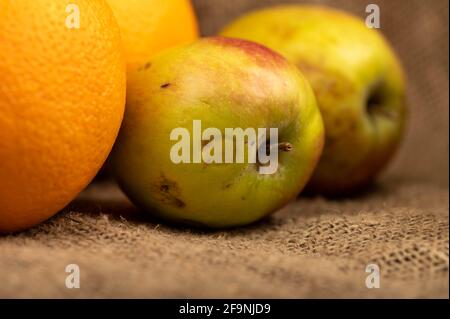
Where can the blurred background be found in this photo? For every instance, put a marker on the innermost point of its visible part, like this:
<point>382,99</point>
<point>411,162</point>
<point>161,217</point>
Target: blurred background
<point>418,30</point>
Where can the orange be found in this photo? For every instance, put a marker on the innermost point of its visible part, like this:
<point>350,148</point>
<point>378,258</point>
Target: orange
<point>149,26</point>
<point>62,93</point>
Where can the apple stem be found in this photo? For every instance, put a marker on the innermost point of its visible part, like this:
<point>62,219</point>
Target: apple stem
<point>283,146</point>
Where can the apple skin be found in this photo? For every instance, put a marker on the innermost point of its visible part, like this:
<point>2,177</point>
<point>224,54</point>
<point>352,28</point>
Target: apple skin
<point>358,82</point>
<point>225,83</point>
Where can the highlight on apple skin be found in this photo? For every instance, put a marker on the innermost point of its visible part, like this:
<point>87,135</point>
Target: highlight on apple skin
<point>356,77</point>
<point>224,83</point>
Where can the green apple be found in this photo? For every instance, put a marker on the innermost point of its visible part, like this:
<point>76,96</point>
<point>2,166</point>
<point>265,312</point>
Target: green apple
<point>357,80</point>
<point>216,84</point>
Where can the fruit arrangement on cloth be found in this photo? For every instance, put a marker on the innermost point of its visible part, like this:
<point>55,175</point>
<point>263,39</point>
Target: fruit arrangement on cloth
<point>216,132</point>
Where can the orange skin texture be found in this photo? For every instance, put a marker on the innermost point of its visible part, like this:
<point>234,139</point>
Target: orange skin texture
<point>150,26</point>
<point>62,95</point>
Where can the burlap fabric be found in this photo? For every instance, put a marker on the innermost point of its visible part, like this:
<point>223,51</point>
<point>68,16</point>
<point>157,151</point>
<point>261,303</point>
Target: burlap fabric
<point>314,247</point>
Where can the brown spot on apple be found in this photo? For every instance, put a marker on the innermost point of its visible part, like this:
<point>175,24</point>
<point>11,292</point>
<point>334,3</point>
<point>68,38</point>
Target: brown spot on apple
<point>146,66</point>
<point>168,192</point>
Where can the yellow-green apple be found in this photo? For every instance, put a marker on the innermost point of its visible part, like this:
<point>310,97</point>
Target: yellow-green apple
<point>172,157</point>
<point>357,80</point>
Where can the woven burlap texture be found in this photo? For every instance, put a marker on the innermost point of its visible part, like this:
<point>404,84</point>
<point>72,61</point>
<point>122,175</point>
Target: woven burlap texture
<point>314,247</point>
